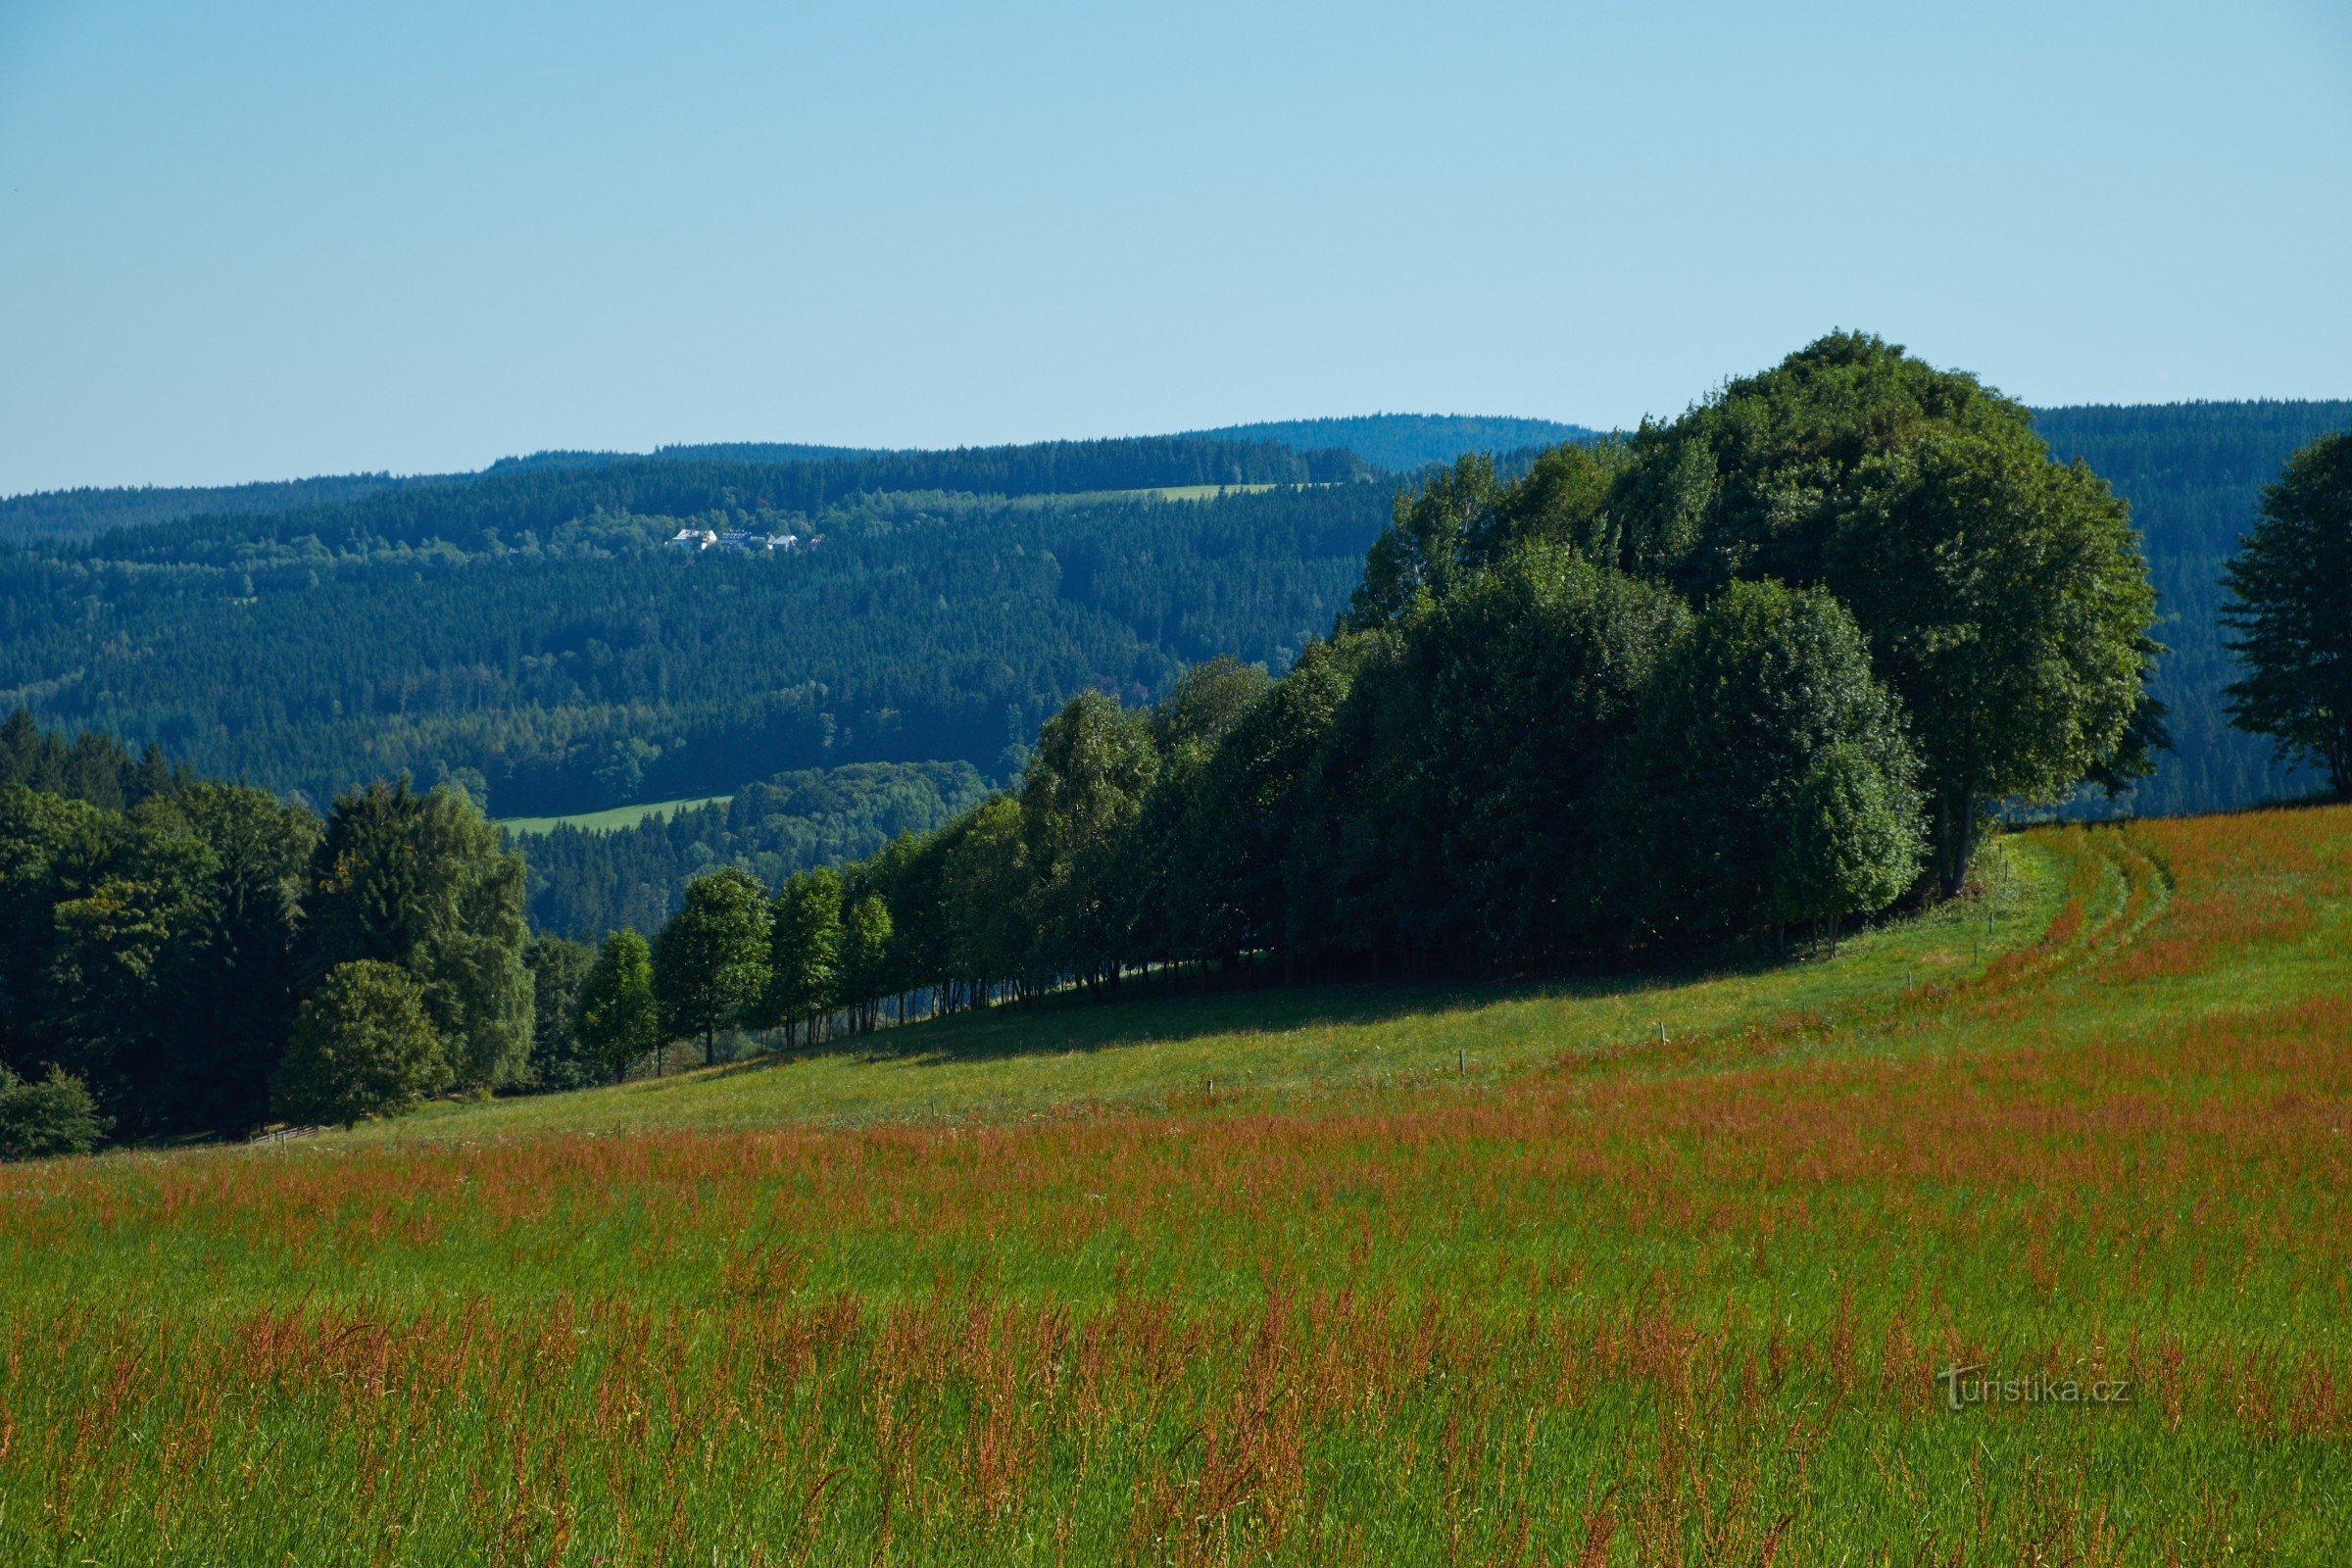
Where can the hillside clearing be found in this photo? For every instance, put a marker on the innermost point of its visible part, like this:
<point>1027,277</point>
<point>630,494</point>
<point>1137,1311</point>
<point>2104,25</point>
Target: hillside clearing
<point>610,817</point>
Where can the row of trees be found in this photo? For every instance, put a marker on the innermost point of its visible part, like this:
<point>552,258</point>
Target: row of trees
<point>1763,669</point>
<point>733,957</point>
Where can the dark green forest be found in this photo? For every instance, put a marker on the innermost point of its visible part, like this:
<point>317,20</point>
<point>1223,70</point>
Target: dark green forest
<point>1393,442</point>
<point>524,630</point>
<point>535,633</point>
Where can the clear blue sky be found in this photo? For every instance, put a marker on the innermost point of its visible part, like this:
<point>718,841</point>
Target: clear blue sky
<point>262,239</point>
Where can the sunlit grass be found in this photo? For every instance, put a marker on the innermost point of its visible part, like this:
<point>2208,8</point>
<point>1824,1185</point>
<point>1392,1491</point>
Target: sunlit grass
<point>608,819</point>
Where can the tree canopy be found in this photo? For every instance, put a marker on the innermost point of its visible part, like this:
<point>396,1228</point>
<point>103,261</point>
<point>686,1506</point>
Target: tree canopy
<point>2290,610</point>
<point>363,1046</point>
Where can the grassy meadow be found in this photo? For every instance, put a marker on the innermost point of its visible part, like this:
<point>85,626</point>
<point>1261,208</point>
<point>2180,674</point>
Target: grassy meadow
<point>1487,1275</point>
<point>610,817</point>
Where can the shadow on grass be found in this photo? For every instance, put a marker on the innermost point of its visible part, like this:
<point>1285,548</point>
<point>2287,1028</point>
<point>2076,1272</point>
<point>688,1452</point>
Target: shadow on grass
<point>1156,1011</point>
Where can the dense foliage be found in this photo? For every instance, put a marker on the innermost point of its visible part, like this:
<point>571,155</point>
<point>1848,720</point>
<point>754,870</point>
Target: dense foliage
<point>1739,672</point>
<point>161,937</point>
<point>2291,608</point>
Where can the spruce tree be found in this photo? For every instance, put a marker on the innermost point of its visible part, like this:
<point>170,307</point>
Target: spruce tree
<point>2291,586</point>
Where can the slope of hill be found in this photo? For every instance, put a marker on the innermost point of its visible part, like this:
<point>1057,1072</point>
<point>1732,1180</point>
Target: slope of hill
<point>529,627</point>
<point>1919,1254</point>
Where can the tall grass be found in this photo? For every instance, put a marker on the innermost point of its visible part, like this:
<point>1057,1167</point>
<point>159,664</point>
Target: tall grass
<point>1598,1302</point>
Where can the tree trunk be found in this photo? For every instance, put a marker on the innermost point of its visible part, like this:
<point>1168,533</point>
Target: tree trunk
<point>1957,841</point>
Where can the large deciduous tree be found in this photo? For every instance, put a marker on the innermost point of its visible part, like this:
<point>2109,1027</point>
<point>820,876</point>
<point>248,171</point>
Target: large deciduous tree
<point>2290,587</point>
<point>1770,773</point>
<point>2008,605</point>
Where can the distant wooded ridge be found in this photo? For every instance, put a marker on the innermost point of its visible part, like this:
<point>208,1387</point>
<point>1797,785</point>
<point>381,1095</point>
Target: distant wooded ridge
<point>1393,443</point>
<point>506,628</point>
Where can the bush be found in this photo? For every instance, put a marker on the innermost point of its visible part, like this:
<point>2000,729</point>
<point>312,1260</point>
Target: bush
<point>361,1047</point>
<point>54,1115</point>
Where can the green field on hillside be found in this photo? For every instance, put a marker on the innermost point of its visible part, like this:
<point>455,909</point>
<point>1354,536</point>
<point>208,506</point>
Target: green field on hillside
<point>1015,1288</point>
<point>1260,1046</point>
<point>612,817</point>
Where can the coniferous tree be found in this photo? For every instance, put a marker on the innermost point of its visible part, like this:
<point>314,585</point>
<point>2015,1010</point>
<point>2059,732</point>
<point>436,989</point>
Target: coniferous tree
<point>2290,587</point>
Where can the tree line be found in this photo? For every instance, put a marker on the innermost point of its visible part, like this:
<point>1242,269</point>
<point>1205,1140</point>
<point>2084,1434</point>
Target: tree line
<point>1753,674</point>
<point>1749,675</point>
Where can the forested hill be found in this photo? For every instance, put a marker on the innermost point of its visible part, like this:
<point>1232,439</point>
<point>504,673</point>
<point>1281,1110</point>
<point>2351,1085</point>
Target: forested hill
<point>525,625</point>
<point>1389,442</point>
<point>577,664</point>
<point>2193,473</point>
<point>549,488</point>
<point>1401,442</point>
<point>69,515</point>
<point>506,504</point>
